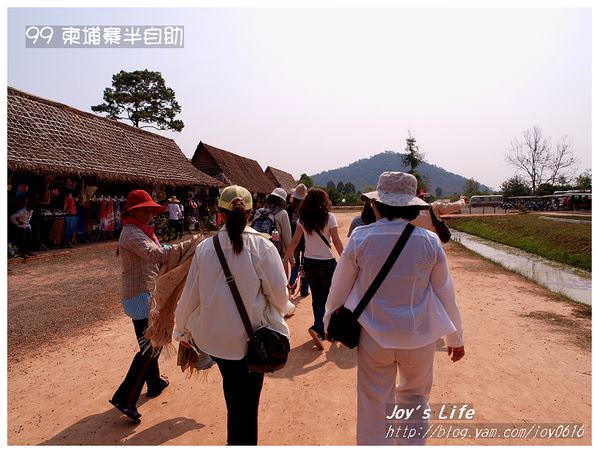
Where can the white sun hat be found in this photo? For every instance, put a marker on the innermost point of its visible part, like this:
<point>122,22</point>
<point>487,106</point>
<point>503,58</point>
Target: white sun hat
<point>396,188</point>
<point>279,192</point>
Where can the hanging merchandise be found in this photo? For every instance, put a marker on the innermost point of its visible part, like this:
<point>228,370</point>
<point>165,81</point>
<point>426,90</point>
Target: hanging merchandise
<point>103,219</point>
<point>57,231</point>
<point>44,195</point>
<point>22,190</point>
<point>117,214</point>
<point>110,215</point>
<point>70,184</point>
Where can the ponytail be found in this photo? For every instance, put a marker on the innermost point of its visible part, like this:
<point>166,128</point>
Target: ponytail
<point>235,222</point>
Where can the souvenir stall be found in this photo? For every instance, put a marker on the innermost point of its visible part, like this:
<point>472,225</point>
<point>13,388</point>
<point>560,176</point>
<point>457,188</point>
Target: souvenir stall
<point>68,210</point>
<point>75,170</point>
<point>71,210</point>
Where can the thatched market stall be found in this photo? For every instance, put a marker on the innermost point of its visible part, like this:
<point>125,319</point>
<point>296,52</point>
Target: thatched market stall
<point>56,152</point>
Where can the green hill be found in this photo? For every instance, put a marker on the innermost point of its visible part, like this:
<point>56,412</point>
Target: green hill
<point>365,172</point>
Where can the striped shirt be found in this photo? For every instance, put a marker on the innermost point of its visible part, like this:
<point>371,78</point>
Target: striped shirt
<point>140,258</point>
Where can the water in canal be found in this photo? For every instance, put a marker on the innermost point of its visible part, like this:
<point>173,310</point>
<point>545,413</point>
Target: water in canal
<point>571,282</point>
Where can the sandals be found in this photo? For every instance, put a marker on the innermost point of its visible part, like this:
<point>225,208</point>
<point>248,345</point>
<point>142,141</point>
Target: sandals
<point>163,384</point>
<point>316,338</point>
<point>130,412</point>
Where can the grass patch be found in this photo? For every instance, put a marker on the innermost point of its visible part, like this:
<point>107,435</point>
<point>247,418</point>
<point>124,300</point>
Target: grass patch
<point>567,243</point>
<point>579,334</point>
<point>586,218</point>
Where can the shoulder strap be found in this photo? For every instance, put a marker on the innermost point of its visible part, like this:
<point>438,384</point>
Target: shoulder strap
<point>324,239</point>
<point>378,280</point>
<point>231,281</point>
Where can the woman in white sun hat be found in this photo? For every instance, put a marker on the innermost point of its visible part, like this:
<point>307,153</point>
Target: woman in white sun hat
<point>413,307</point>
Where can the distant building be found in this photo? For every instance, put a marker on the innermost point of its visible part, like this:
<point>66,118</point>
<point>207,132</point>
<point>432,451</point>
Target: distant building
<point>232,168</point>
<point>280,178</point>
<point>46,137</point>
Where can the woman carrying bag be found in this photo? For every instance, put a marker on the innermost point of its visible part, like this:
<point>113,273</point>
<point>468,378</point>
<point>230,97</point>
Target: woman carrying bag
<point>208,315</point>
<point>319,228</point>
<point>403,318</point>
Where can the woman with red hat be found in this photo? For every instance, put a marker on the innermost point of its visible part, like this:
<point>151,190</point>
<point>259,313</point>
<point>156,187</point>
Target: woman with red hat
<point>141,255</point>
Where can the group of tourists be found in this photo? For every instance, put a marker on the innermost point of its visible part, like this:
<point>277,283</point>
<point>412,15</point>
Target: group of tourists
<point>262,255</point>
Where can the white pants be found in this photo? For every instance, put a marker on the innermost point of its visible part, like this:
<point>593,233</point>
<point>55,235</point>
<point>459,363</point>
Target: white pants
<point>377,392</point>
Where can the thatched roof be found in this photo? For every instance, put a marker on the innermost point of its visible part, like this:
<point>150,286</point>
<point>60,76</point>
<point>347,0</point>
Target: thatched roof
<point>280,178</point>
<point>232,168</point>
<point>48,137</point>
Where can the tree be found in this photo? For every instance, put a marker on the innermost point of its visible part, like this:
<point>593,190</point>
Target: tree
<point>333,193</point>
<point>414,157</point>
<point>516,186</point>
<point>306,180</point>
<point>349,188</point>
<point>438,192</point>
<point>143,98</point>
<point>561,159</point>
<point>535,156</point>
<point>584,180</point>
<point>471,187</point>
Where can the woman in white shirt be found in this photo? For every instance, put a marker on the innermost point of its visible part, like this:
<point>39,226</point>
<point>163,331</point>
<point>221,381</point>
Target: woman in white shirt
<point>319,228</point>
<point>414,306</point>
<point>207,314</point>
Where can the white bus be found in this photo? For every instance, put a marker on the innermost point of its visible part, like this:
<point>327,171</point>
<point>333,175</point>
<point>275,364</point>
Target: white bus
<point>486,200</point>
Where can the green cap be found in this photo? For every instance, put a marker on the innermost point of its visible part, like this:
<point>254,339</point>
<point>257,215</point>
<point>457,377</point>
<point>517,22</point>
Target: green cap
<point>231,193</point>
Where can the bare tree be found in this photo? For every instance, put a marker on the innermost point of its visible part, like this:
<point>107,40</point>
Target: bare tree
<point>535,156</point>
<point>562,158</point>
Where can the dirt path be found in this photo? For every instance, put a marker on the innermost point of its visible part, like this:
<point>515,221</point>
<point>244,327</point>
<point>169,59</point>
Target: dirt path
<point>528,361</point>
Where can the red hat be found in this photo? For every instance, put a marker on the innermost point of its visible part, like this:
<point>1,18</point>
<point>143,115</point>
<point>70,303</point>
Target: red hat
<point>142,199</point>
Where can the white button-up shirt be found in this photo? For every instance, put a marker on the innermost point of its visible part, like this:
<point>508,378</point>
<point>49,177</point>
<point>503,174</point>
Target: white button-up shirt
<point>206,310</point>
<point>415,305</point>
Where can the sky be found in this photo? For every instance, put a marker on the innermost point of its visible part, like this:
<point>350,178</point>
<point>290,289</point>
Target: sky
<point>313,89</point>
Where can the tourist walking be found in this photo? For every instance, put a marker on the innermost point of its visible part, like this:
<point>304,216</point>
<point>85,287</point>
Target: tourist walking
<point>318,226</point>
<point>297,269</point>
<point>175,216</point>
<point>413,307</point>
<point>141,255</point>
<point>438,208</point>
<point>207,314</point>
<point>273,218</point>
<point>366,217</point>
<point>22,222</point>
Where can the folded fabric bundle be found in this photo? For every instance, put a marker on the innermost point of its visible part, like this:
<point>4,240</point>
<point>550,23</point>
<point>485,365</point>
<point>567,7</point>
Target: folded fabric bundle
<point>169,286</point>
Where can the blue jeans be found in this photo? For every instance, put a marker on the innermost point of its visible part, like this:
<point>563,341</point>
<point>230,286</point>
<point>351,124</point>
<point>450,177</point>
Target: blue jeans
<point>70,228</point>
<point>319,274</point>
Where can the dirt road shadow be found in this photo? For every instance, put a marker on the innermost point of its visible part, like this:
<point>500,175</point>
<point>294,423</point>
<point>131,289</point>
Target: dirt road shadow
<point>302,359</point>
<point>108,428</point>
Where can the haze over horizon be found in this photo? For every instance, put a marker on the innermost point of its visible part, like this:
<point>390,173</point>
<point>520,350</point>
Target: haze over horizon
<point>309,90</point>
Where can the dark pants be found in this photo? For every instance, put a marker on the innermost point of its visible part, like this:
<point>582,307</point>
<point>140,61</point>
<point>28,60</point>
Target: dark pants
<point>176,225</point>
<point>144,368</point>
<point>319,274</point>
<point>242,395</point>
<point>23,240</point>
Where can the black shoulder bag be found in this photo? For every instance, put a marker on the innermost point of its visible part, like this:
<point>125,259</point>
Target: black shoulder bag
<point>440,227</point>
<point>344,325</point>
<point>267,349</point>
